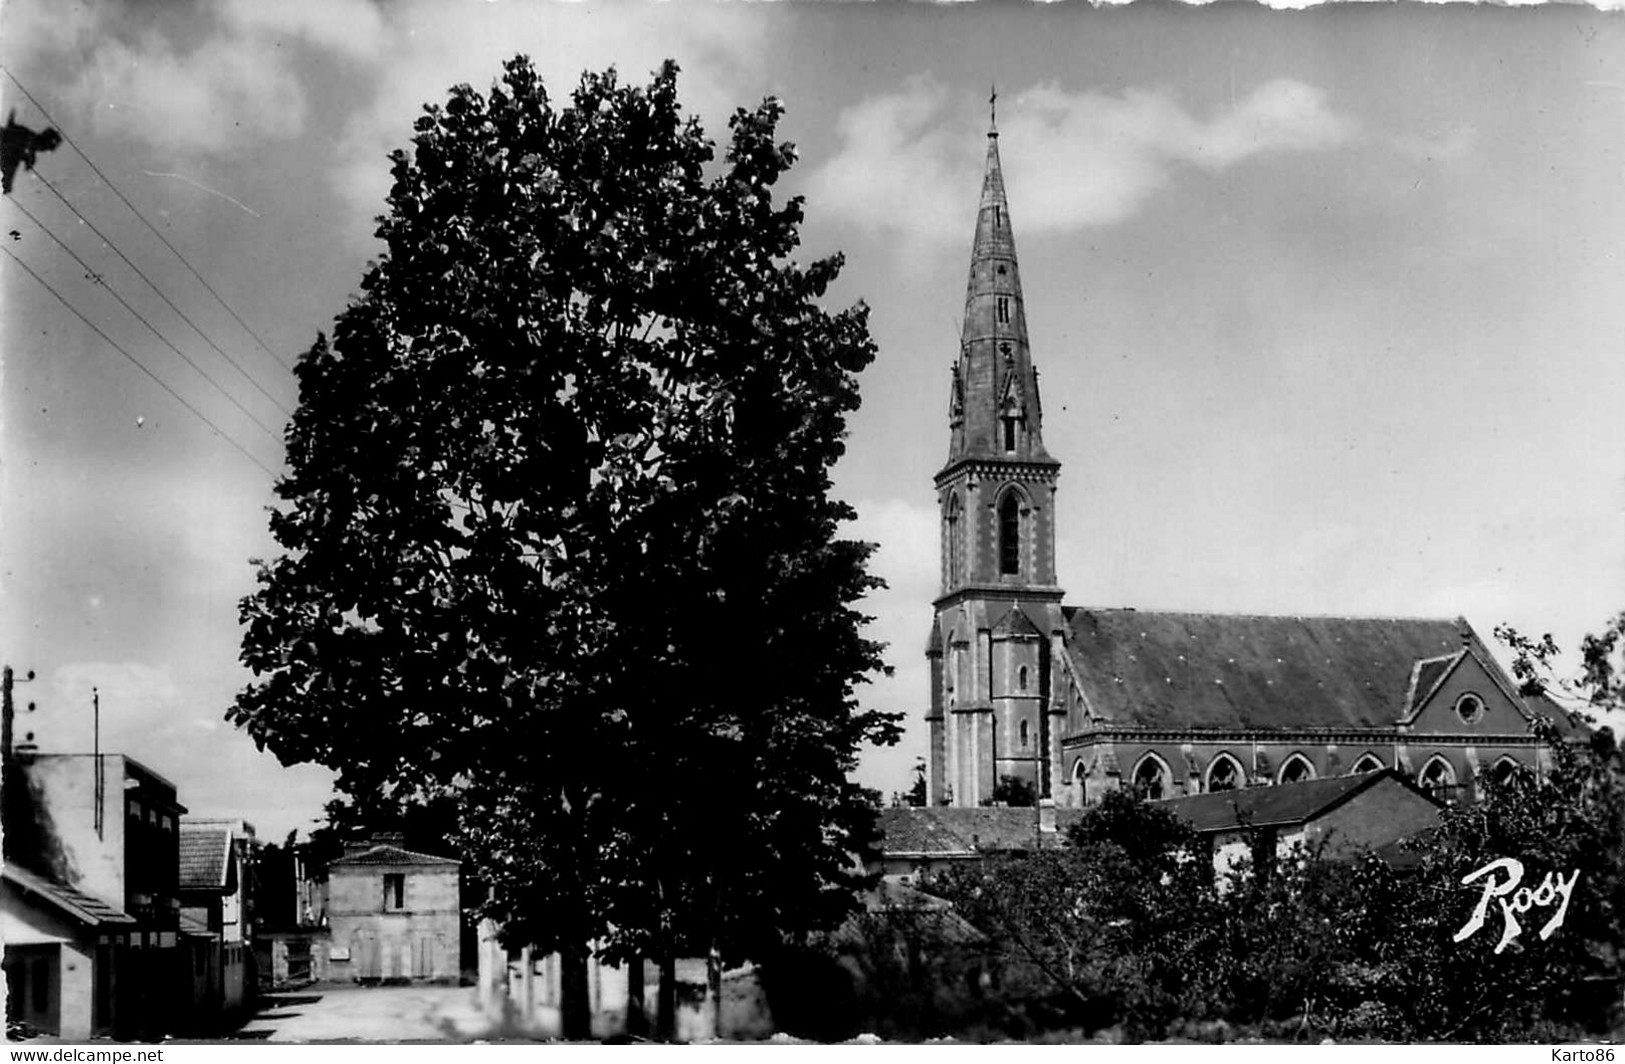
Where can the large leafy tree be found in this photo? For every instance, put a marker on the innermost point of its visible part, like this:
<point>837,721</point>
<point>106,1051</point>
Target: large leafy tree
<point>559,540</point>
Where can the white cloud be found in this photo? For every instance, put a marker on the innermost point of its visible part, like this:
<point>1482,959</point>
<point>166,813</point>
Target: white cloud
<point>209,99</point>
<point>434,45</point>
<point>353,27</point>
<point>223,84</point>
<point>1086,159</point>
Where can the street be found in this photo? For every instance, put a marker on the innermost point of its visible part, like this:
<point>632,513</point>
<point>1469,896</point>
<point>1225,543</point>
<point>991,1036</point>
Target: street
<point>369,1014</point>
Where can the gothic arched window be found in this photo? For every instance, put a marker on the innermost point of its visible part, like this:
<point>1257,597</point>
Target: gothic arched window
<point>1437,777</point>
<point>1367,763</point>
<point>1151,778</point>
<point>1296,769</point>
<point>1010,534</point>
<point>1021,678</point>
<point>1506,772</point>
<point>1024,734</point>
<point>956,535</point>
<point>1224,774</point>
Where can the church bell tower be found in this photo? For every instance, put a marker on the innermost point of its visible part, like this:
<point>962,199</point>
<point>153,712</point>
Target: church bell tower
<point>998,625</point>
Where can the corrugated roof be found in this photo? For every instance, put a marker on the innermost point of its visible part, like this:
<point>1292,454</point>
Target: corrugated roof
<point>1283,804</point>
<point>77,904</point>
<point>204,853</point>
<point>391,855</point>
<point>946,831</point>
<point>1212,670</point>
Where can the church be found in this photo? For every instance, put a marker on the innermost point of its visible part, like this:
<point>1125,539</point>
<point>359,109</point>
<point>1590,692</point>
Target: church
<point>1028,693</point>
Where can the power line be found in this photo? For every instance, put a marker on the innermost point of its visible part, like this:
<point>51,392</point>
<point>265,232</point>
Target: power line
<point>171,304</point>
<point>117,192</point>
<point>115,345</point>
<point>154,329</point>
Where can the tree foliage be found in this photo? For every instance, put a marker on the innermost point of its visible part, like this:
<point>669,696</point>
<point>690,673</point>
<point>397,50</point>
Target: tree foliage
<point>1131,928</point>
<point>559,543</point>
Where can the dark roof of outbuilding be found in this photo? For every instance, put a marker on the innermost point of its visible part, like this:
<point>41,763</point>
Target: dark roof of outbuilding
<point>391,855</point>
<point>1280,805</point>
<point>926,915</point>
<point>82,907</point>
<point>1214,670</point>
<point>945,831</point>
<point>205,858</point>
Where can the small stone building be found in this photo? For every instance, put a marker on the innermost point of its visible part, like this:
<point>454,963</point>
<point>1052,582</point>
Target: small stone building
<point>394,916</point>
<point>1342,816</point>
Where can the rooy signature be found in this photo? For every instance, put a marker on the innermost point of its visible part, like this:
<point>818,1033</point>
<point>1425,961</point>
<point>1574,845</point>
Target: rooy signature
<point>1553,887</point>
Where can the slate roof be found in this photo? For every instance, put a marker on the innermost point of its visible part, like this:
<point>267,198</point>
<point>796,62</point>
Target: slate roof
<point>80,906</point>
<point>1279,805</point>
<point>1212,670</point>
<point>204,863</point>
<point>384,854</point>
<point>946,831</point>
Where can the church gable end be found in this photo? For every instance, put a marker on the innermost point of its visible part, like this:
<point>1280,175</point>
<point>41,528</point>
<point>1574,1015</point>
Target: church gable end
<point>1467,699</point>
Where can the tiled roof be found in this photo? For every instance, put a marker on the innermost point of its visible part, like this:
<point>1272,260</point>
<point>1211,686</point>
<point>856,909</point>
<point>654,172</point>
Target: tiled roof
<point>77,904</point>
<point>204,853</point>
<point>392,855</point>
<point>1283,804</point>
<point>945,831</point>
<point>1207,670</point>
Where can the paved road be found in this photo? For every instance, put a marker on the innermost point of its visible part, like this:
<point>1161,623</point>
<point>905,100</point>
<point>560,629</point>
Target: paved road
<point>371,1014</point>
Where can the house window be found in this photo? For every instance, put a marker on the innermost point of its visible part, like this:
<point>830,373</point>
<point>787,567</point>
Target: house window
<point>1470,708</point>
<point>394,890</point>
<point>1010,535</point>
<point>1151,778</point>
<point>1224,774</point>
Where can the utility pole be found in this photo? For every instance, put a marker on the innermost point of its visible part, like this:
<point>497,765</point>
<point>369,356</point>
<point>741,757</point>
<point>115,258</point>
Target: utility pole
<point>8,709</point>
<point>96,749</point>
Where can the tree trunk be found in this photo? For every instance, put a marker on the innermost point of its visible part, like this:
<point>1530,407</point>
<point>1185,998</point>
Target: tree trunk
<point>666,997</point>
<point>713,987</point>
<point>637,1021</point>
<point>575,1010</point>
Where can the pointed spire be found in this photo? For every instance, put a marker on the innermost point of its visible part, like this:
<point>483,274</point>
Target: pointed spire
<point>994,348</point>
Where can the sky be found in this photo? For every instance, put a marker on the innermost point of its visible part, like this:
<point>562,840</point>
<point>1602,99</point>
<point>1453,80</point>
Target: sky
<point>1329,305</point>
